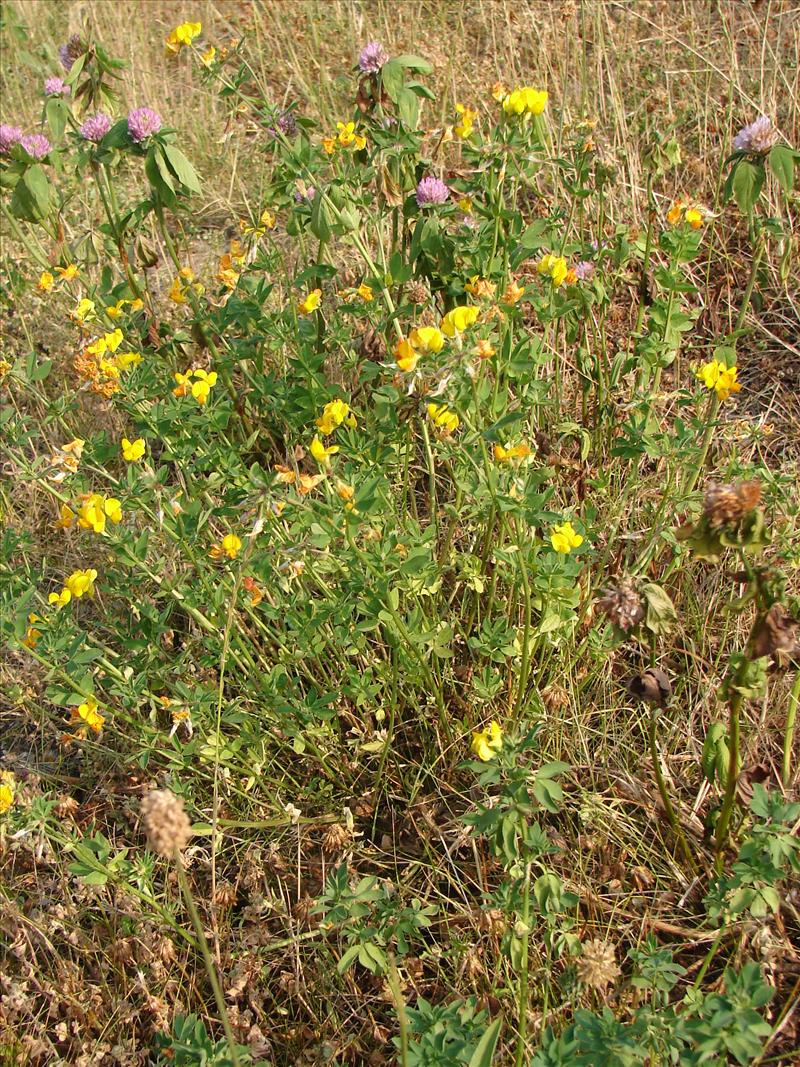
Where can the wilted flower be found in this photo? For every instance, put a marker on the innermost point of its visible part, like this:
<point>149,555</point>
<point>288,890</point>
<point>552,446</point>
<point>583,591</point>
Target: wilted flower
<point>727,505</point>
<point>70,51</point>
<point>487,743</point>
<point>55,86</point>
<point>564,538</point>
<point>757,138</point>
<point>432,190</point>
<point>406,355</point>
<point>597,966</point>
<point>622,605</point>
<point>373,57</point>
<point>142,122</point>
<point>165,822</point>
<point>9,136</point>
<point>36,145</point>
<point>96,127</point>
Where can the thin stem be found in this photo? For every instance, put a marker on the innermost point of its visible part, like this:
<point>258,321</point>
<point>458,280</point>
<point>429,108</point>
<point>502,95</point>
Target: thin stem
<point>677,829</point>
<point>788,735</point>
<point>723,822</point>
<point>393,978</point>
<point>522,1002</point>
<point>209,963</point>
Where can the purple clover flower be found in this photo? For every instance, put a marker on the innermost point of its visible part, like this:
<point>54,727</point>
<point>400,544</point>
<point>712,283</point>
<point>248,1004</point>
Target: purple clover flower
<point>305,195</point>
<point>9,136</point>
<point>96,127</point>
<point>584,271</point>
<point>372,58</point>
<point>55,86</point>
<point>70,51</point>
<point>142,123</point>
<point>757,138</point>
<point>36,145</point>
<point>432,191</point>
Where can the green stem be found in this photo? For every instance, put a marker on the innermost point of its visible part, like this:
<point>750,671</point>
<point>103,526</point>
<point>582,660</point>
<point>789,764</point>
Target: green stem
<point>751,281</point>
<point>209,963</point>
<point>788,735</point>
<point>705,444</point>
<point>677,829</point>
<point>393,978</point>
<point>522,1010</point>
<point>31,242</point>
<point>723,822</point>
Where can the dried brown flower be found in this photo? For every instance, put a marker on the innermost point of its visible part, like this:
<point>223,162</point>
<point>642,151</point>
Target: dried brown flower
<point>622,605</point>
<point>652,686</point>
<point>336,838</point>
<point>373,346</point>
<point>165,822</point>
<point>417,293</point>
<point>225,895</point>
<point>727,505</point>
<point>777,634</point>
<point>597,967</point>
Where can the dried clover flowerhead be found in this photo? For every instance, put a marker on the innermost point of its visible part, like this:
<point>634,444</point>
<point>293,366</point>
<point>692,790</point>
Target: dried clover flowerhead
<point>727,505</point>
<point>165,822</point>
<point>777,635</point>
<point>622,605</point>
<point>652,686</point>
<point>597,966</point>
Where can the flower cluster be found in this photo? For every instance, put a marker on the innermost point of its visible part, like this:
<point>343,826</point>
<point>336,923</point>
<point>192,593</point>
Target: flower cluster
<point>9,136</point>
<point>717,375</point>
<point>55,86</point>
<point>78,584</point>
<point>563,538</point>
<point>100,363</point>
<point>95,509</point>
<point>47,279</point>
<point>70,51</point>
<point>36,145</point>
<point>466,120</point>
<point>432,190</point>
<point>444,420</point>
<point>346,137</point>
<point>525,101</point>
<point>182,36</point>
<point>556,268</point>
<point>200,388</point>
<point>143,122</point>
<point>692,214</point>
<point>757,138</point>
<point>229,547</point>
<point>96,127</point>
<point>87,715</point>
<point>66,459</point>
<point>487,743</point>
<point>335,414</point>
<point>181,286</point>
<point>373,57</point>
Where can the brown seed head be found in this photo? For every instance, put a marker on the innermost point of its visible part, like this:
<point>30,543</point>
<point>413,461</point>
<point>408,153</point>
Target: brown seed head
<point>727,505</point>
<point>622,605</point>
<point>417,293</point>
<point>373,345</point>
<point>336,838</point>
<point>165,822</point>
<point>597,966</point>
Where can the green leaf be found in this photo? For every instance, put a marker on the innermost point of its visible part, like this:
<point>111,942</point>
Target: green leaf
<point>392,79</point>
<point>182,168</point>
<point>408,108</point>
<point>320,224</point>
<point>747,182</point>
<point>56,110</point>
<point>484,1052</point>
<point>38,186</point>
<point>412,63</point>
<point>781,163</point>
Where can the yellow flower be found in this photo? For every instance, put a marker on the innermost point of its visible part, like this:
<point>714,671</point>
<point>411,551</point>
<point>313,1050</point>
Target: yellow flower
<point>525,101</point>
<point>334,414</point>
<point>67,518</point>
<point>60,599</point>
<point>7,791</point>
<point>359,142</point>
<point>46,281</point>
<point>694,218</point>
<point>89,714</point>
<point>427,339</point>
<point>445,420</point>
<point>182,36</point>
<point>124,360</point>
<point>554,267</point>
<point>563,538</point>
<point>329,145</point>
<point>459,319</point>
<point>487,743</point>
<point>506,455</point>
<point>113,509</point>
<point>32,635</point>
<point>114,311</point>
<point>207,58</point>
<point>133,450</point>
<point>512,293</point>
<point>307,482</point>
<point>485,350</point>
<point>67,273</point>
<point>178,291</point>
<point>718,376</point>
<point>201,388</point>
<point>465,204</point>
<point>85,310</point>
<point>225,273</point>
<point>310,303</point>
<point>346,133</point>
<point>499,92</point>
<point>229,546</point>
<point>184,384</point>
<point>345,492</point>
<point>80,582</point>
<point>365,292</point>
<point>320,453</point>
<point>96,509</point>
<point>468,116</point>
<point>406,356</point>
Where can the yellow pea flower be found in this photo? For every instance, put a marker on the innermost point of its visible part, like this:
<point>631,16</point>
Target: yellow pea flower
<point>427,339</point>
<point>320,453</point>
<point>225,272</point>
<point>406,355</point>
<point>346,133</point>
<point>8,790</point>
<point>125,360</point>
<point>46,281</point>
<point>202,386</point>
<point>113,509</point>
<point>716,375</point>
<point>32,635</point>
<point>334,414</point>
<point>182,36</point>
<point>133,450</point>
<point>445,420</point>
<point>84,310</point>
<point>329,145</point>
<point>60,599</point>
<point>67,518</point>
<point>365,292</point>
<point>81,582</point>
<point>554,267</point>
<point>465,204</point>
<point>207,58</point>
<point>460,319</point>
<point>487,743</point>
<point>88,714</point>
<point>464,128</point>
<point>67,273</point>
<point>563,538</point>
<point>694,218</point>
<point>309,304</point>
<point>92,515</point>
<point>230,546</point>
<point>506,455</point>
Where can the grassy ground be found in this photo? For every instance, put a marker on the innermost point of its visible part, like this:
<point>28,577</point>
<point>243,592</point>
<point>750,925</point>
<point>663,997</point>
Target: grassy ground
<point>91,973</point>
